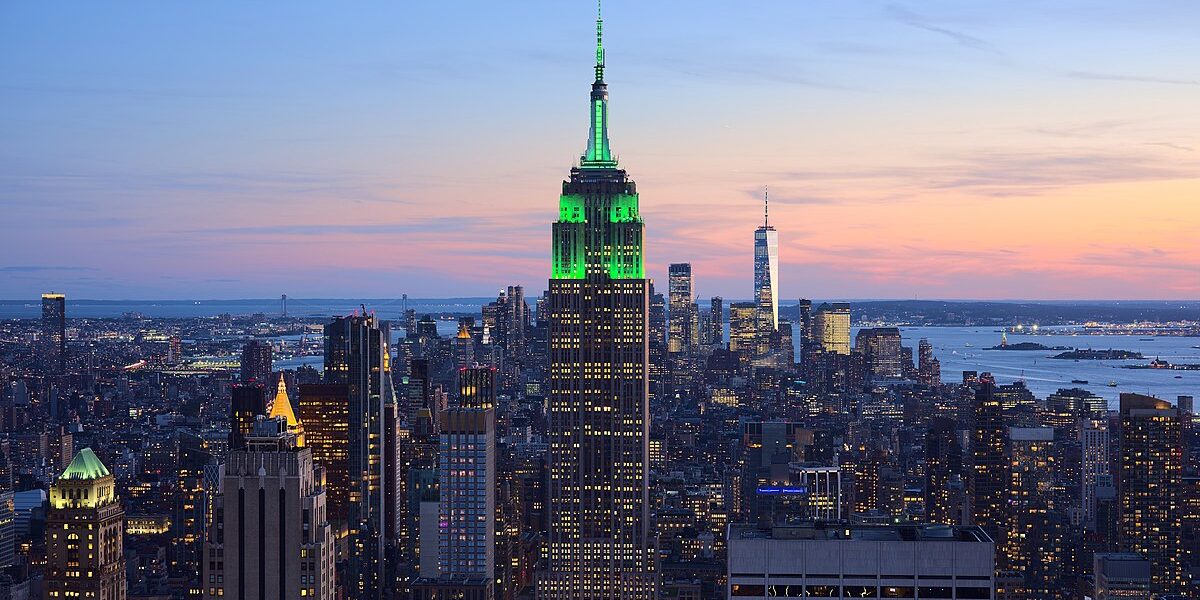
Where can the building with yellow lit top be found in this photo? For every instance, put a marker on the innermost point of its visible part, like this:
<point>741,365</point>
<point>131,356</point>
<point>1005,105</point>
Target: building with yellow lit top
<point>597,412</point>
<point>282,407</point>
<point>85,525</point>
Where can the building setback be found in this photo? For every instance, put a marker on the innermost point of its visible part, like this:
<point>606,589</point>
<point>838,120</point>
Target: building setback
<point>273,538</point>
<point>597,411</point>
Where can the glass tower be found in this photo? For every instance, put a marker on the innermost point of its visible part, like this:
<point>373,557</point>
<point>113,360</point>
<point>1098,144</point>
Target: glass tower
<point>356,355</point>
<point>597,402</point>
<point>766,275</point>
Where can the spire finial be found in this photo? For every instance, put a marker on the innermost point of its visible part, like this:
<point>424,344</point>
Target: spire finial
<point>766,204</point>
<point>599,44</point>
<point>598,154</point>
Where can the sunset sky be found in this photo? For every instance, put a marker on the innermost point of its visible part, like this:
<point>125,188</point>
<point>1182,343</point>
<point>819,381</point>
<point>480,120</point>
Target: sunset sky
<point>935,149</point>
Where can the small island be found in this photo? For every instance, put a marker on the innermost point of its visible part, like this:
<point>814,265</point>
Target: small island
<point>1090,354</point>
<point>1159,363</point>
<point>1027,346</point>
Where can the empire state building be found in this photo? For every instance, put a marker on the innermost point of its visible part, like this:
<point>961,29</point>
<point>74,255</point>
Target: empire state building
<point>598,415</point>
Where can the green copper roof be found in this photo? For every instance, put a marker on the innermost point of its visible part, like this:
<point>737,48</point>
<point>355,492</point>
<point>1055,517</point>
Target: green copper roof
<point>85,465</point>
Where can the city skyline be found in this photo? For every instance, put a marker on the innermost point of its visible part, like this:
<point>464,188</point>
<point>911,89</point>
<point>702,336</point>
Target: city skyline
<point>940,150</point>
<point>602,439</point>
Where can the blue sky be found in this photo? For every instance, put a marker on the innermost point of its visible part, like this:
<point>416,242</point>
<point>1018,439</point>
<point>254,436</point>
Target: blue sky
<point>988,149</point>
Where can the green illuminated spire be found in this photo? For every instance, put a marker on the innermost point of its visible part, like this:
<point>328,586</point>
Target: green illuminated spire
<point>85,465</point>
<point>599,44</point>
<point>598,154</point>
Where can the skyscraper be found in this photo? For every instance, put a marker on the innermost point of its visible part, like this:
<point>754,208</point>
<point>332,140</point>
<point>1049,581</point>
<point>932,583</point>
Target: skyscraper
<point>766,274</point>
<point>85,528</point>
<point>929,369</point>
<point>247,401</point>
<point>1032,549</point>
<point>256,362</point>
<point>356,354</point>
<point>597,407</point>
<point>326,417</point>
<point>681,331</point>
<point>881,348</point>
<point>742,330</point>
<point>54,332</point>
<point>943,470</point>
<point>716,320</point>
<point>806,323</point>
<point>275,540</point>
<point>467,494</point>
<point>831,327</point>
<point>1150,484</point>
<point>1093,442</point>
<point>989,476</point>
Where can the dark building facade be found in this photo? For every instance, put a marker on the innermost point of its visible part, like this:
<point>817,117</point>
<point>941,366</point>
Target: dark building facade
<point>247,401</point>
<point>356,355</point>
<point>597,404</point>
<point>256,362</point>
<point>54,332</point>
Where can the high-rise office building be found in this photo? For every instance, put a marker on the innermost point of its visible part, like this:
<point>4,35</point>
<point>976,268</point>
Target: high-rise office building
<point>743,332</point>
<point>1150,483</point>
<point>766,274</point>
<point>716,321</point>
<point>989,474</point>
<point>356,354</point>
<point>1033,543</point>
<point>247,401</point>
<point>880,346</point>
<point>929,369</point>
<point>1094,464</point>
<point>831,327</point>
<point>463,347</point>
<point>467,494</point>
<point>806,322</point>
<point>1077,404</point>
<point>256,362</point>
<point>679,310</point>
<point>326,416</point>
<point>85,529</point>
<point>54,332</point>
<point>274,539</point>
<point>598,419</point>
<point>943,472</point>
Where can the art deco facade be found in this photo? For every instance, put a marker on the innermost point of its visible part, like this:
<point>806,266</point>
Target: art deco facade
<point>85,528</point>
<point>273,538</point>
<point>597,403</point>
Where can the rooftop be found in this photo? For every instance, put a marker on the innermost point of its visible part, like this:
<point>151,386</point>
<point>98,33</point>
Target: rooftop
<point>843,530</point>
<point>86,465</point>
